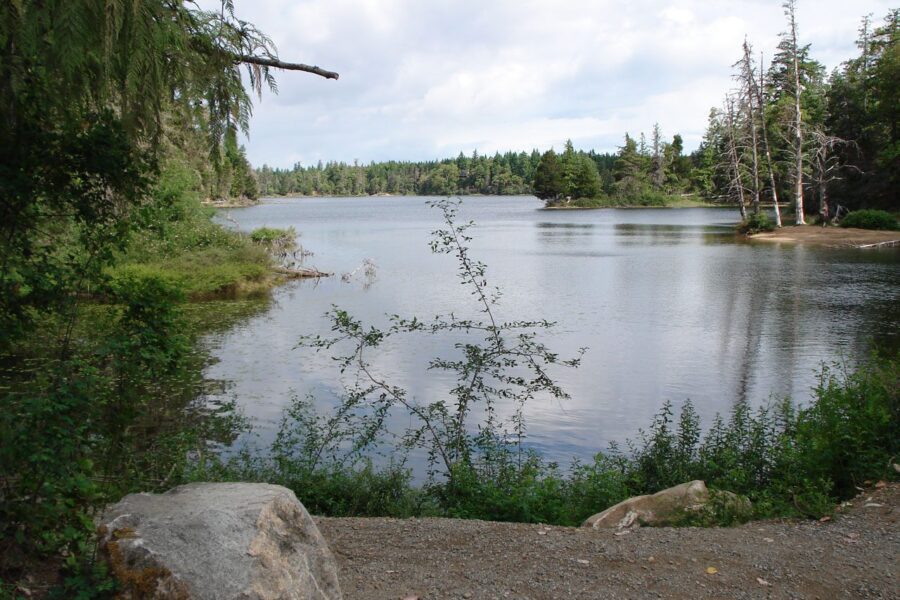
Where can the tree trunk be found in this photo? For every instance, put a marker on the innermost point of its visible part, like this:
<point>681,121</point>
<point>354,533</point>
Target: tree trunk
<point>750,83</point>
<point>798,119</point>
<point>735,160</point>
<point>765,137</point>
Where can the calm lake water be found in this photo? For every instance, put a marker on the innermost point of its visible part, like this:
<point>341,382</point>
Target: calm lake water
<point>671,304</point>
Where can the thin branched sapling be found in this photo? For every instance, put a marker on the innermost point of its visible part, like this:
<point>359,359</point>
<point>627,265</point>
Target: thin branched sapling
<point>495,362</point>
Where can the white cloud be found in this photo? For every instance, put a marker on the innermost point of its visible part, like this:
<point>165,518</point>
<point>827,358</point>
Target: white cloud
<point>423,80</point>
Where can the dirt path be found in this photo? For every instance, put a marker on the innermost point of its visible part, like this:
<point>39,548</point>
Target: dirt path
<point>828,236</point>
<point>856,555</point>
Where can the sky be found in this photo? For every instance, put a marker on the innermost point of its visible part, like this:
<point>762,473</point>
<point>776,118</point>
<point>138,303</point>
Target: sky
<point>428,79</point>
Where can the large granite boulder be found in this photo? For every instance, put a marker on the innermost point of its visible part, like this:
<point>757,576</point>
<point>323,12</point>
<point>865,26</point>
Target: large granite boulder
<point>218,541</point>
<point>670,506</point>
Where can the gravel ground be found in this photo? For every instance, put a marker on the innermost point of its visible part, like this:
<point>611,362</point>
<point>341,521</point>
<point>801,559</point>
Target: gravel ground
<point>855,555</point>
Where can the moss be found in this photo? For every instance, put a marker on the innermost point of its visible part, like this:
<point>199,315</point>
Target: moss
<point>140,583</point>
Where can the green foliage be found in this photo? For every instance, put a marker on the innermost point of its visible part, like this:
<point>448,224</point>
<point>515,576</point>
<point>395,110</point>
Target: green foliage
<point>63,191</point>
<point>850,434</point>
<point>548,183</point>
<point>177,241</point>
<point>70,419</point>
<point>585,181</point>
<point>788,461</point>
<point>118,414</point>
<point>756,223</point>
<point>862,103</point>
<point>96,399</point>
<point>271,235</point>
<point>83,580</point>
<point>649,199</point>
<point>319,458</point>
<point>502,174</point>
<point>871,219</point>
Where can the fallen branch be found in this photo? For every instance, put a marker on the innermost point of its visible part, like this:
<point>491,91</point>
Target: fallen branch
<point>302,273</point>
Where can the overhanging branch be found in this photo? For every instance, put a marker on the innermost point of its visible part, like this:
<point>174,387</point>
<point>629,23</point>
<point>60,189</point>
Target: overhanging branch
<point>274,62</point>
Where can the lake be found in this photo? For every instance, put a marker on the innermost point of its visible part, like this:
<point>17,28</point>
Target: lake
<point>670,303</point>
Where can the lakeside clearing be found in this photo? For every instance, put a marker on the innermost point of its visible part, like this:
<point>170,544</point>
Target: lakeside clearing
<point>835,237</point>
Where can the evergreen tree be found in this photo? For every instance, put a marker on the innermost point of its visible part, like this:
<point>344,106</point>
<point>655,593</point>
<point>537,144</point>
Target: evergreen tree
<point>862,102</point>
<point>548,180</point>
<point>630,176</point>
<point>585,181</point>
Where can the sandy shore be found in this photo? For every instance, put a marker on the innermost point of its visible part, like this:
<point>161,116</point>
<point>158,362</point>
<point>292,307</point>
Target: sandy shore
<point>837,237</point>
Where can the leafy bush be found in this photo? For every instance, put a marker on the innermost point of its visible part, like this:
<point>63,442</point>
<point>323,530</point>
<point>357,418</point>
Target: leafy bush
<point>871,219</point>
<point>755,224</point>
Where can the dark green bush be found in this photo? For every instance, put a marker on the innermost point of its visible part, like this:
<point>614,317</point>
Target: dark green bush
<point>871,219</point>
<point>755,224</point>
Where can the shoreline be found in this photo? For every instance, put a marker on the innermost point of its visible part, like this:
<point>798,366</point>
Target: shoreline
<point>831,237</point>
<point>637,207</point>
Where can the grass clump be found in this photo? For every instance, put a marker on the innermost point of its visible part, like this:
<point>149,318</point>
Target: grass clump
<point>180,244</point>
<point>871,219</point>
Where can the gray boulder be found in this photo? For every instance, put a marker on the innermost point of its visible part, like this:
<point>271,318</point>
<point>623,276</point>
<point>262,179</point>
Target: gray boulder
<point>669,506</point>
<point>219,541</point>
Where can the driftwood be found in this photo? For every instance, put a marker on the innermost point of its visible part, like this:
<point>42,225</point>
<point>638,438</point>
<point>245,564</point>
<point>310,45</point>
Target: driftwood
<point>302,273</point>
<point>887,244</point>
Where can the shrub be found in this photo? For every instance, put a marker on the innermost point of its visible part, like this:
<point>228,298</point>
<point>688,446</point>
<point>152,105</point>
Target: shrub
<point>871,219</point>
<point>755,224</point>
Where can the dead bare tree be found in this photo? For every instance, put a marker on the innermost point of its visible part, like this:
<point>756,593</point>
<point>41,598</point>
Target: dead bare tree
<point>735,180</point>
<point>657,172</point>
<point>748,94</point>
<point>790,9</point>
<point>825,166</point>
<point>761,103</point>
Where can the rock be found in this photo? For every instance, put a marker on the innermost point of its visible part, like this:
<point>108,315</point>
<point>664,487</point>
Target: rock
<point>217,541</point>
<point>668,506</point>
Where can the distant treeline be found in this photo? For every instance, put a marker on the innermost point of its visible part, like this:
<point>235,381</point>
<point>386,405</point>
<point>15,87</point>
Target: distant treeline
<point>502,174</point>
<point>787,132</point>
<point>510,173</point>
